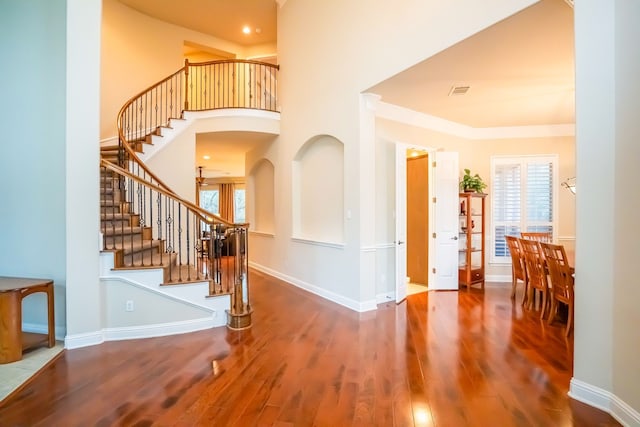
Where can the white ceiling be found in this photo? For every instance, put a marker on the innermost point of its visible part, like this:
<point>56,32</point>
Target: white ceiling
<point>226,151</point>
<point>223,19</point>
<point>520,71</point>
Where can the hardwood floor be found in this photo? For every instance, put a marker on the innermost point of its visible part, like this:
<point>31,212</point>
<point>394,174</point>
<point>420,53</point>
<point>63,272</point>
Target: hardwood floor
<point>440,358</point>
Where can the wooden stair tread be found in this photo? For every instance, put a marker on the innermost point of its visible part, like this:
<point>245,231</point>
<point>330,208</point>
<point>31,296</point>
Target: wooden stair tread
<point>130,248</point>
<point>119,230</point>
<point>108,216</point>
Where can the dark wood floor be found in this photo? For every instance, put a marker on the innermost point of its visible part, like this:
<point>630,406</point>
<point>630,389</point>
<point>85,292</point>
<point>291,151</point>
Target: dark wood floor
<point>443,359</point>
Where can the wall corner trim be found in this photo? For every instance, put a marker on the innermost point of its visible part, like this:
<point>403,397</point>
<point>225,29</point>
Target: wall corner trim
<point>604,400</point>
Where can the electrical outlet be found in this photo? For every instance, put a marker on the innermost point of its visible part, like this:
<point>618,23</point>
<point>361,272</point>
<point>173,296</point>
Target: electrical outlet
<point>129,305</point>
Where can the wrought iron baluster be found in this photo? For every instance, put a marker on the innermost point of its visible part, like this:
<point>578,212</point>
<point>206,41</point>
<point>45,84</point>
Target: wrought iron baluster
<point>179,241</point>
<point>188,245</point>
<point>159,222</point>
<point>151,223</point>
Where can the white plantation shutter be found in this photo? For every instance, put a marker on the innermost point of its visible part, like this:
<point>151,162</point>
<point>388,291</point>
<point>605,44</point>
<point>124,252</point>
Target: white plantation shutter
<point>522,199</point>
<point>506,193</point>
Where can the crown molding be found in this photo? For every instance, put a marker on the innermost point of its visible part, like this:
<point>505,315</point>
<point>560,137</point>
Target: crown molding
<point>427,121</point>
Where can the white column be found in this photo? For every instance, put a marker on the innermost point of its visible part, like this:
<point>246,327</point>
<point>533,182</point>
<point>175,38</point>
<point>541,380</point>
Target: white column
<point>84,305</point>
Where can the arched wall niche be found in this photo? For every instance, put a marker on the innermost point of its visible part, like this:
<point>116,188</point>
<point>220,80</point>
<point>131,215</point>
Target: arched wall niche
<point>318,190</point>
<point>260,188</point>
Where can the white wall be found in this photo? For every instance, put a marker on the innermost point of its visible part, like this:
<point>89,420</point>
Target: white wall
<point>607,89</point>
<point>32,159</point>
<point>82,159</point>
<point>260,206</point>
<point>318,197</point>
<point>149,308</point>
<point>626,316</point>
<point>49,165</point>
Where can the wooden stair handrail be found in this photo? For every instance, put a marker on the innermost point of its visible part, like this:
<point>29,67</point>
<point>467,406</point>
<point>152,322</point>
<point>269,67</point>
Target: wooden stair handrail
<point>132,153</point>
<point>206,216</point>
<point>123,139</point>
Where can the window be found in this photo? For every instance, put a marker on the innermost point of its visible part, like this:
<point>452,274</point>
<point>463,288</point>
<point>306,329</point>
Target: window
<point>210,200</point>
<point>523,199</point>
<point>238,205</point>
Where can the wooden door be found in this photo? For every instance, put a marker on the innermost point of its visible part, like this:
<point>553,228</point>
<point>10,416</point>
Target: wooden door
<point>418,219</point>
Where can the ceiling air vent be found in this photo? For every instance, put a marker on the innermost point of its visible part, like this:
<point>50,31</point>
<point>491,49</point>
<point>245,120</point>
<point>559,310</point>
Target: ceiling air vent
<point>458,90</point>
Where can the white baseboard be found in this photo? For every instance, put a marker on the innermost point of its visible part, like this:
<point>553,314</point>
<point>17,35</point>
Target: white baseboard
<point>83,340</point>
<point>162,329</point>
<point>145,331</point>
<point>604,400</point>
<point>328,295</point>
<point>38,328</point>
<point>499,278</point>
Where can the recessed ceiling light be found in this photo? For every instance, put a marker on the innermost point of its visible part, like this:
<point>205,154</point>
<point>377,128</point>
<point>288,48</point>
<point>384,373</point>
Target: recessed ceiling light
<point>246,29</point>
<point>206,157</point>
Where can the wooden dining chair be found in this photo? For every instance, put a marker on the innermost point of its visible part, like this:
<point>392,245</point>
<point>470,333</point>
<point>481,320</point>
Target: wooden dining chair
<point>560,279</point>
<point>518,269</point>
<point>546,237</point>
<point>536,274</point>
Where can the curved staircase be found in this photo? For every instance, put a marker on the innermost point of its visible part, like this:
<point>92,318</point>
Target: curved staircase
<point>155,238</point>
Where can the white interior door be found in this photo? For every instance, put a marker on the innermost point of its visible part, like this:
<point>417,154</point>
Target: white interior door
<point>401,222</point>
<point>446,221</point>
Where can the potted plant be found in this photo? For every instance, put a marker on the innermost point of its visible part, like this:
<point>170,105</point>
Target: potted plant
<point>472,183</point>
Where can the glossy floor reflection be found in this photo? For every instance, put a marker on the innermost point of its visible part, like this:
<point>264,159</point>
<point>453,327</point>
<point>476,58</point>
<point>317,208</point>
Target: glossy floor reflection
<point>438,359</point>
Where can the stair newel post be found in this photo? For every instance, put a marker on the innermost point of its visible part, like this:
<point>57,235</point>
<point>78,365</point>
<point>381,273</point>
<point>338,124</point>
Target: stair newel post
<point>239,315</point>
<point>186,84</point>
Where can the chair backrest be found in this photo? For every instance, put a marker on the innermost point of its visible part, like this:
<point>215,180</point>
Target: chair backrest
<point>560,272</point>
<point>534,263</point>
<point>546,237</point>
<point>517,257</point>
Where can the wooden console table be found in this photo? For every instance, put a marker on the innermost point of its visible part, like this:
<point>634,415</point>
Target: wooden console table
<point>12,340</point>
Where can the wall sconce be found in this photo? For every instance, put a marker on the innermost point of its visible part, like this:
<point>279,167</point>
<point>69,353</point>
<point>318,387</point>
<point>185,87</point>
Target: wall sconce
<point>570,184</point>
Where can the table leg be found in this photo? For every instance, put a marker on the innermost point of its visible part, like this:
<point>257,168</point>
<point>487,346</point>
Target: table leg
<point>51,316</point>
<point>10,327</point>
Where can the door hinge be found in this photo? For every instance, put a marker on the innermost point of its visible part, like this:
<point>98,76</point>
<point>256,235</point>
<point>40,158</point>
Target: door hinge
<point>433,164</point>
<point>434,200</point>
<point>433,235</point>
<point>434,270</point>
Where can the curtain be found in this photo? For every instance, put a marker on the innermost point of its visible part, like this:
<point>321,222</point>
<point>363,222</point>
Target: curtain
<point>226,202</point>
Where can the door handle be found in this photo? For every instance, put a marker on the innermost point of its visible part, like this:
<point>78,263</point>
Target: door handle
<point>400,242</point>
<point>454,238</point>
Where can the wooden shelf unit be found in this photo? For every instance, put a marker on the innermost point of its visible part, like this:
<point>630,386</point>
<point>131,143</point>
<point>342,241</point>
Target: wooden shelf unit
<point>472,239</point>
